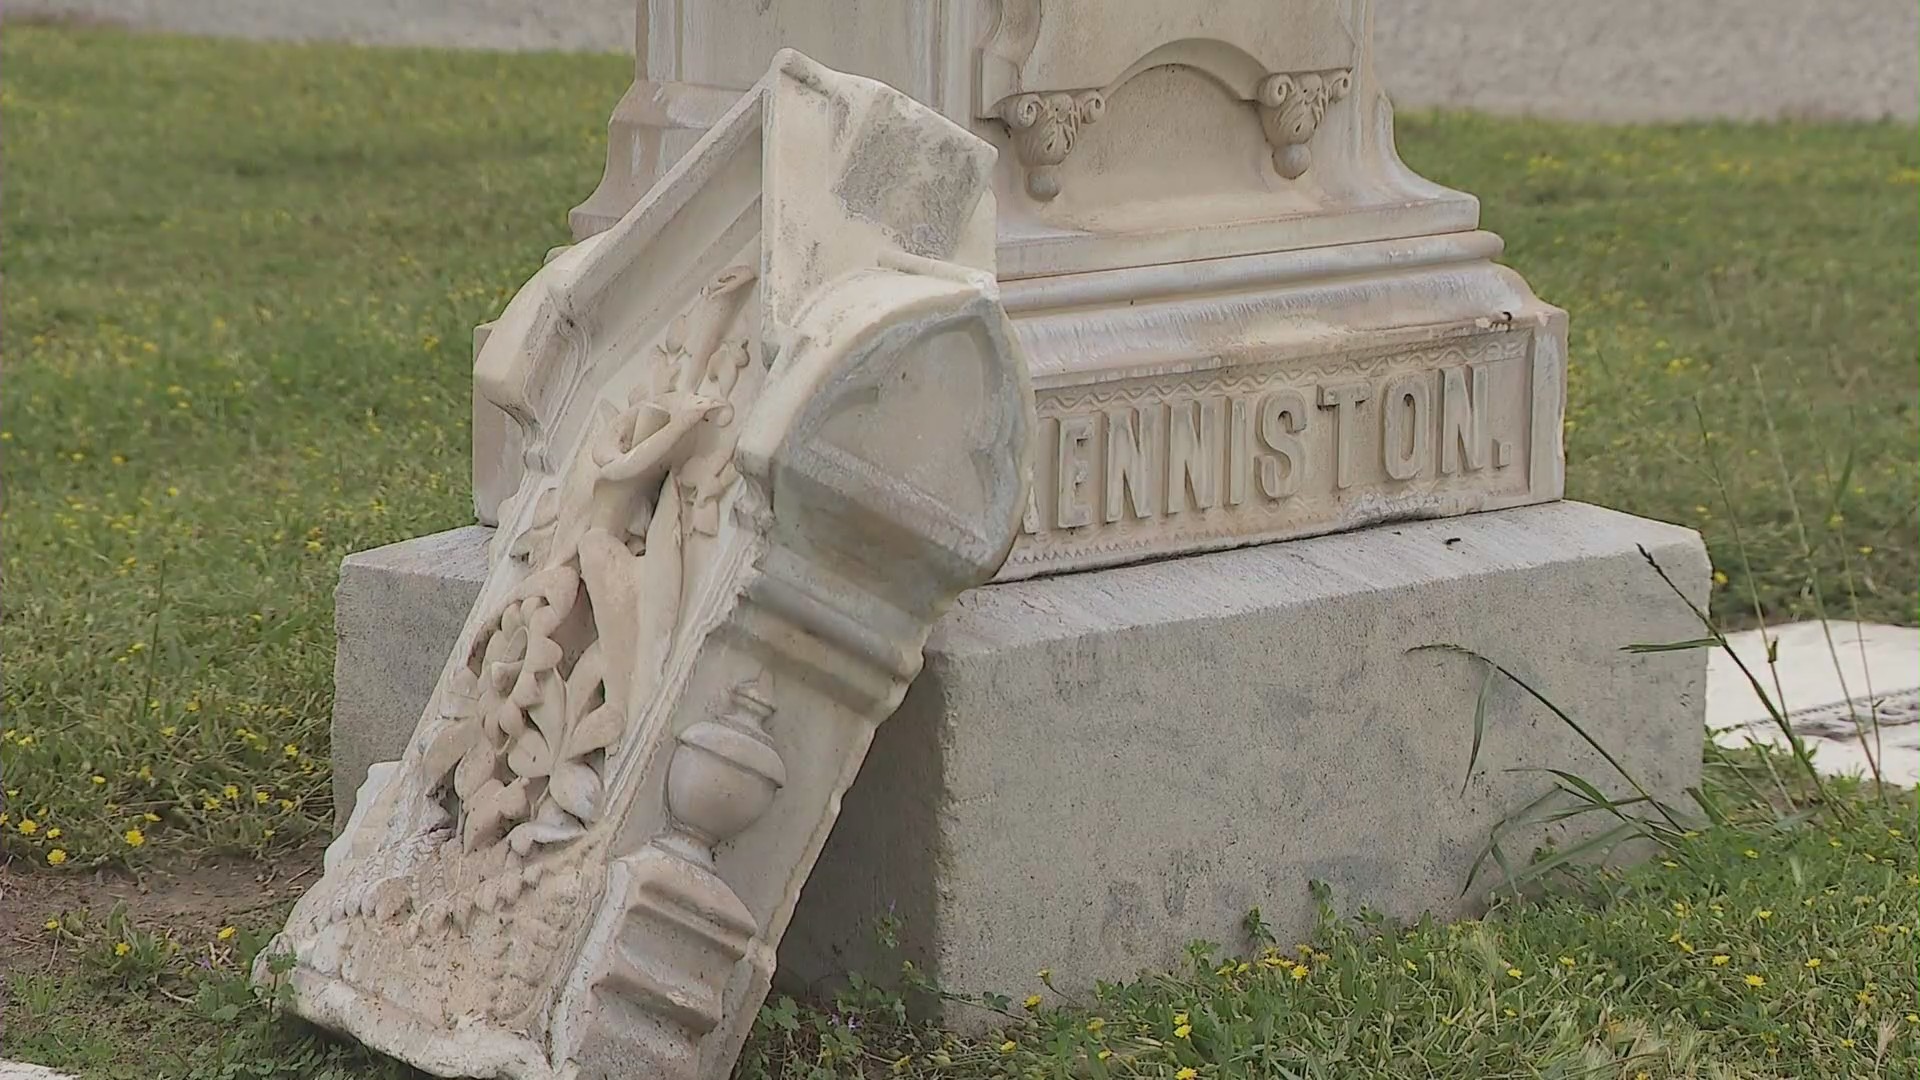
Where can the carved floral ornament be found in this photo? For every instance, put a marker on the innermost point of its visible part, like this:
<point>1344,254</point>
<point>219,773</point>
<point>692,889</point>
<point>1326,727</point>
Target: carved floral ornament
<point>1044,126</point>
<point>1291,108</point>
<point>696,610</point>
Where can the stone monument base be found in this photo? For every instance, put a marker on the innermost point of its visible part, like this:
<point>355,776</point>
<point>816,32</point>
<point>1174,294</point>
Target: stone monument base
<point>1094,769</point>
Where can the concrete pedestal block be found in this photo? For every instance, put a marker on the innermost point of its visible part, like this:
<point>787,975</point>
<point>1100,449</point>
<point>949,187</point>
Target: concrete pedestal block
<point>1094,769</point>
<point>396,613</point>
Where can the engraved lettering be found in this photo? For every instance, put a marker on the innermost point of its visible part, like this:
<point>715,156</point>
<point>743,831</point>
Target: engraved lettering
<point>1343,399</point>
<point>1239,450</point>
<point>1075,469</point>
<point>1193,456</point>
<point>1464,424</point>
<point>1403,417</point>
<point>1133,446</point>
<point>1283,418</point>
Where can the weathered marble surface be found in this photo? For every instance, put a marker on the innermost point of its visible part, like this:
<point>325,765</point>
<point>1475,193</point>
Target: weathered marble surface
<point>1263,696</point>
<point>772,423</point>
<point>1246,319</point>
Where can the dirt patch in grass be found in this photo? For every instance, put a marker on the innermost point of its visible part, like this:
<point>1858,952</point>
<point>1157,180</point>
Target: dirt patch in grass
<point>192,900</point>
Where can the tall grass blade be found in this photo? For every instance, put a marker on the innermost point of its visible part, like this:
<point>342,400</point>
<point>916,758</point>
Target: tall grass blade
<point>1569,721</point>
<point>1672,646</point>
<point>1779,718</point>
<point>1479,727</point>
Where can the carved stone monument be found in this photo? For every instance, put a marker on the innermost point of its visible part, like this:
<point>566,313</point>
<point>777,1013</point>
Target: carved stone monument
<point>1245,320</point>
<point>773,422</point>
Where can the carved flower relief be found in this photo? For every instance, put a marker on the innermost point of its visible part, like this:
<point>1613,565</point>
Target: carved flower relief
<point>1044,128</point>
<point>524,737</point>
<point>1291,108</point>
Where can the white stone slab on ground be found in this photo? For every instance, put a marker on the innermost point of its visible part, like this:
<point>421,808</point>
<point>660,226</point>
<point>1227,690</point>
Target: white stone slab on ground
<point>20,1070</point>
<point>1833,682</point>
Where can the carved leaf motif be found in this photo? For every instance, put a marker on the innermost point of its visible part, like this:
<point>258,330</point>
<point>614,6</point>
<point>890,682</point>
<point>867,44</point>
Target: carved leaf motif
<point>475,769</point>
<point>549,713</point>
<point>543,654</point>
<point>597,730</point>
<point>533,542</point>
<point>551,826</point>
<point>505,651</point>
<point>505,721</point>
<point>450,746</point>
<point>493,808</point>
<point>576,787</point>
<point>583,684</point>
<point>530,755</point>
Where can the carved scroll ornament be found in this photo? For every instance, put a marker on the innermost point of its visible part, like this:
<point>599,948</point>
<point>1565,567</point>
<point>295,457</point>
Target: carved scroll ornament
<point>1044,127</point>
<point>1291,108</point>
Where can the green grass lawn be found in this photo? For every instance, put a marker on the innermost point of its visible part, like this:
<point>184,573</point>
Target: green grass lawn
<point>240,286</point>
<point>1756,949</point>
<point>241,281</point>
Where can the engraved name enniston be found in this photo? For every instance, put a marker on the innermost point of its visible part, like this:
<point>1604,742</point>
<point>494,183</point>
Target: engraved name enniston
<point>1264,450</point>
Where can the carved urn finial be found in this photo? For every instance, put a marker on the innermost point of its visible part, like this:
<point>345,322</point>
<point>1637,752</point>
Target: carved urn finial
<point>725,772</point>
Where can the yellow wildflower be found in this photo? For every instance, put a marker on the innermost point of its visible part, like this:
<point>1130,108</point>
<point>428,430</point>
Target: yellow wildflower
<point>1299,971</point>
<point>1186,1073</point>
<point>226,933</point>
<point>1179,1018</point>
<point>291,750</point>
<point>53,924</point>
<point>53,833</point>
<point>121,948</point>
<point>98,779</point>
<point>1184,1031</point>
<point>1095,1025</point>
<point>1751,854</point>
<point>1009,1046</point>
<point>1813,961</point>
<point>230,791</point>
<point>1763,914</point>
<point>150,816</point>
<point>1756,980</point>
<point>1515,973</point>
<point>134,837</point>
<point>1032,1002</point>
<point>28,826</point>
<point>169,731</point>
<point>262,797</point>
<point>1721,959</point>
<point>56,857</point>
<point>1566,961</point>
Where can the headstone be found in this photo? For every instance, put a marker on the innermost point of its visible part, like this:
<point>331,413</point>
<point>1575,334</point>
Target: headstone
<point>773,423</point>
<point>1246,319</point>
